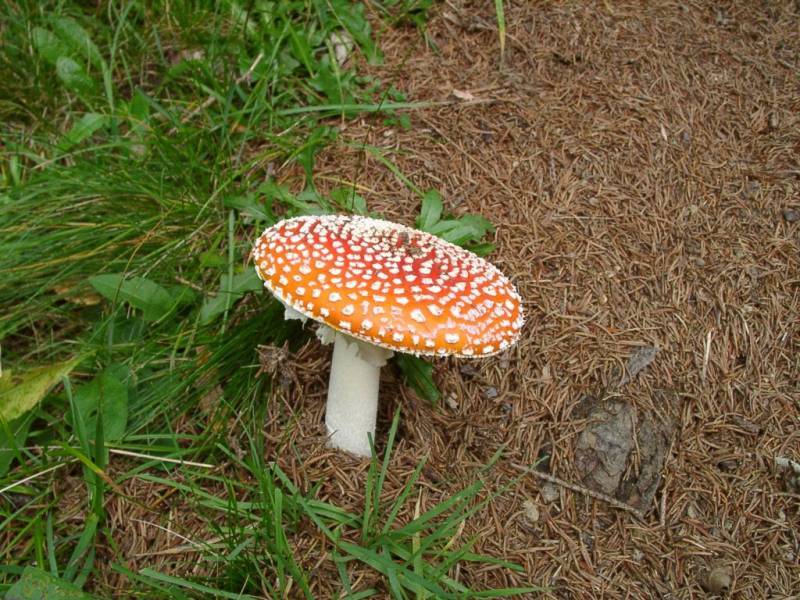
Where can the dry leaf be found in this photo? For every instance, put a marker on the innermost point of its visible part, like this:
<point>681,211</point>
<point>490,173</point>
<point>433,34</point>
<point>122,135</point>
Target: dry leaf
<point>459,95</point>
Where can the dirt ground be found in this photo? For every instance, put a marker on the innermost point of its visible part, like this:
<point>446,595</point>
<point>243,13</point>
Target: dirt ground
<point>641,164</point>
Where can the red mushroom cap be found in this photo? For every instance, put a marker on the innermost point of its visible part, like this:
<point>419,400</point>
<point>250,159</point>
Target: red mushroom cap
<point>390,285</point>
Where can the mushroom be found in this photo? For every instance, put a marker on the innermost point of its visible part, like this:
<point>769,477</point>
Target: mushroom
<point>377,288</point>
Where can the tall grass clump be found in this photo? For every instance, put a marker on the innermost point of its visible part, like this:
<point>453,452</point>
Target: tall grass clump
<point>138,143</point>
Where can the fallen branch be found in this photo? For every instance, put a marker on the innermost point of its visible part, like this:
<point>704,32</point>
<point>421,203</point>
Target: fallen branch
<point>581,490</point>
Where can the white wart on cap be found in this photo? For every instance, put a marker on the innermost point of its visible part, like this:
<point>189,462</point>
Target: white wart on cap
<point>390,285</point>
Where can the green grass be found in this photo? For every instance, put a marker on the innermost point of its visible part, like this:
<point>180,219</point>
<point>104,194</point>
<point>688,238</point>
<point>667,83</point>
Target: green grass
<point>134,148</point>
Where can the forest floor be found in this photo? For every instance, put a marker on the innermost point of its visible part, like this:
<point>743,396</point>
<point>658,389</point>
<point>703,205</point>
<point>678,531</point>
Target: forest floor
<point>641,165</point>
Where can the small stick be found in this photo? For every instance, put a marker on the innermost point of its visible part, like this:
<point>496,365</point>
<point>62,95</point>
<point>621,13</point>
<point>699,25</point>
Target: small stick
<point>176,461</point>
<point>34,476</point>
<point>581,490</point>
<point>170,531</point>
<point>170,551</point>
<point>211,99</point>
<point>706,354</point>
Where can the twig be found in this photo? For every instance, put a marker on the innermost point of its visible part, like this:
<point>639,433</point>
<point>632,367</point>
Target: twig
<point>176,461</point>
<point>34,476</point>
<point>581,490</point>
<point>706,354</point>
<point>211,99</point>
<point>170,551</point>
<point>197,545</point>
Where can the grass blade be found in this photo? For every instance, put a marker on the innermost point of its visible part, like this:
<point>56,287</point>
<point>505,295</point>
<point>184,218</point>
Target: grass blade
<point>500,13</point>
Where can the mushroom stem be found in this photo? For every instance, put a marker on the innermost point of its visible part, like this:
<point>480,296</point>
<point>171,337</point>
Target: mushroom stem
<point>352,407</point>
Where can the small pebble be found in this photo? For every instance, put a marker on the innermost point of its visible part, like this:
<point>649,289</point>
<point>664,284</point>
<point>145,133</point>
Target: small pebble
<point>549,492</point>
<point>531,511</point>
<point>451,402</point>
<point>791,215</point>
<point>468,370</point>
<point>491,392</point>
<point>773,121</point>
<point>751,188</point>
<point>718,580</point>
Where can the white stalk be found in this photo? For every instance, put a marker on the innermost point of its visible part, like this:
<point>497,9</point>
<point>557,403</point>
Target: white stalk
<point>352,407</point>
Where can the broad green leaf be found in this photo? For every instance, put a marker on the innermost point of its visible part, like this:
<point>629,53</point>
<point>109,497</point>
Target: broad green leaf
<point>106,395</point>
<point>305,203</point>
<point>469,228</point>
<point>431,210</point>
<point>317,204</point>
<point>349,200</point>
<point>36,584</point>
<point>327,82</point>
<point>78,39</point>
<point>12,436</point>
<point>457,233</point>
<point>351,16</point>
<point>20,393</point>
<point>153,300</point>
<point>479,225</point>
<point>139,112</point>
<point>212,259</point>
<point>247,281</point>
<point>419,375</point>
<point>242,16</point>
<point>73,75</point>
<point>48,45</point>
<point>85,127</point>
<point>404,121</point>
<point>247,204</point>
<point>481,249</point>
<point>181,295</point>
<point>301,48</point>
<point>286,65</point>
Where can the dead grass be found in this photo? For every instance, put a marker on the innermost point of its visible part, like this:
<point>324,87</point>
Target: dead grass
<point>636,159</point>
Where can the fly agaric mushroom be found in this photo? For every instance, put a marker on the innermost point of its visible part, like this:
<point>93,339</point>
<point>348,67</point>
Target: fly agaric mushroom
<point>377,288</point>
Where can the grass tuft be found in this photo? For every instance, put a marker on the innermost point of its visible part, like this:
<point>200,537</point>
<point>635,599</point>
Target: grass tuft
<point>138,149</point>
